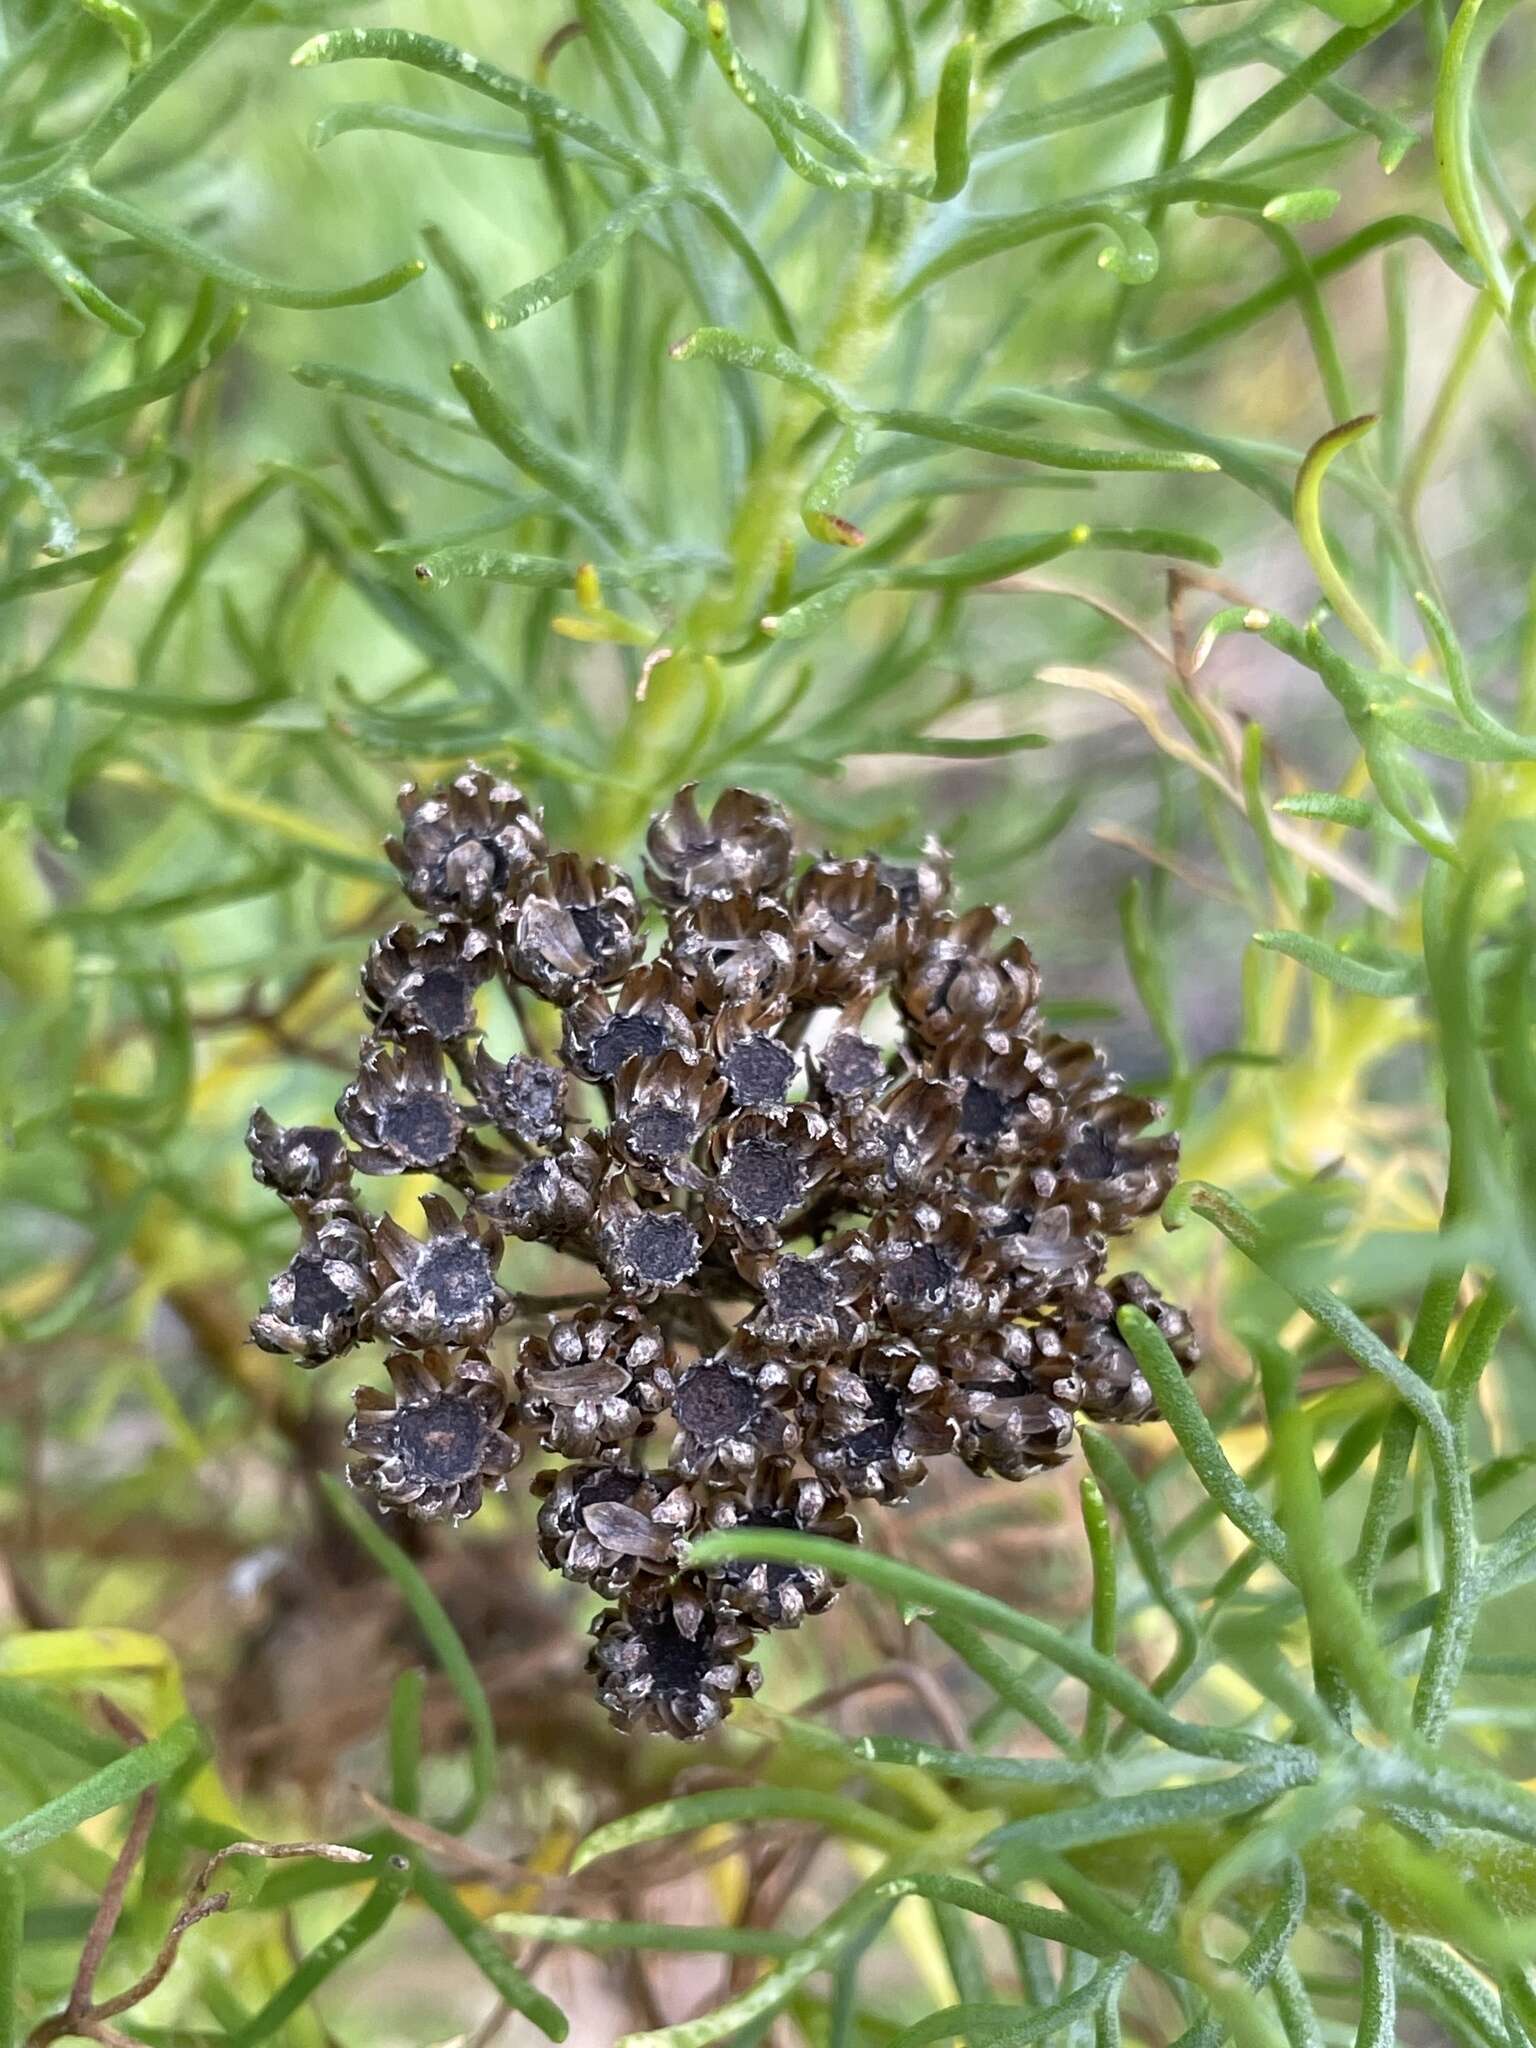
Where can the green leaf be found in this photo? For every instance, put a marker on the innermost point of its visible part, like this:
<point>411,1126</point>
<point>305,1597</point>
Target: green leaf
<point>170,241</point>
<point>1354,13</point>
<point>1354,811</point>
<point>113,1785</point>
<point>475,74</point>
<point>558,472</point>
<point>951,122</point>
<point>921,1593</point>
<point>1359,977</point>
<point>327,1956</point>
<point>987,562</point>
<point>747,1803</point>
<point>584,262</point>
<point>13,1903</point>
<point>598,1936</point>
<point>442,1638</point>
<point>488,1956</point>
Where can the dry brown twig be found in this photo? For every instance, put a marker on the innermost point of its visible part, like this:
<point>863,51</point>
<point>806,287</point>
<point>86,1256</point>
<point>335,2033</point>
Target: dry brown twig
<point>90,2019</point>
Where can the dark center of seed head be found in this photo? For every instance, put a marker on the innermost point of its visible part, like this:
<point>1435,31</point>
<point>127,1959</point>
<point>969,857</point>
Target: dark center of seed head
<point>444,1004</point>
<point>531,1096</point>
<point>663,1249</point>
<point>597,928</point>
<point>713,1403</point>
<point>458,1273</point>
<point>779,1576</point>
<point>905,884</point>
<point>423,1128</point>
<point>442,1442</point>
<point>801,1291</point>
<point>621,1038</point>
<point>919,1274</point>
<point>875,1438</point>
<point>759,1070</point>
<point>764,1179</point>
<point>676,1664</point>
<point>850,1065</point>
<point>307,1156</point>
<point>315,1294</point>
<point>609,1483</point>
<point>660,1133</point>
<point>1093,1156</point>
<point>983,1112</point>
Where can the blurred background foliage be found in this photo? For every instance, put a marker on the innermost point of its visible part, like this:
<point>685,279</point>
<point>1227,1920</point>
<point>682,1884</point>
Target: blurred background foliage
<point>914,423</point>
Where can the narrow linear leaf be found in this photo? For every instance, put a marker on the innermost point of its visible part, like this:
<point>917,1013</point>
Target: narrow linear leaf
<point>1360,977</point>
<point>442,1638</point>
<point>170,241</point>
<point>488,1956</point>
<point>327,1956</point>
<point>113,1785</point>
<point>556,471</point>
<point>746,1803</point>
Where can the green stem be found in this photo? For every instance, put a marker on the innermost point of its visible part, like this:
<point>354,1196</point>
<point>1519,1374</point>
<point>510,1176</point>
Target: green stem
<point>12,1913</point>
<point>1103,1625</point>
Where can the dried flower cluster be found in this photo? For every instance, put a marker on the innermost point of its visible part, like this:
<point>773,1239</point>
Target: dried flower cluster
<point>848,1199</point>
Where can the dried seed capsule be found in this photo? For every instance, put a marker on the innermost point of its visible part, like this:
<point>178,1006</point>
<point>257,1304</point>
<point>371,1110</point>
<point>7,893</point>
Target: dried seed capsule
<point>745,846</point>
<point>955,982</point>
<point>593,1382</point>
<point>574,926</point>
<point>1108,1174</point>
<point>442,1292</point>
<point>646,1251</point>
<point>902,1140</point>
<point>306,1163</point>
<point>1114,1387</point>
<point>440,1443</point>
<point>871,1424</point>
<point>1007,1424</point>
<point>651,1012</point>
<point>401,1113</point>
<point>766,1166</point>
<point>318,1306</point>
<point>732,1411</point>
<point>813,1303</point>
<point>757,1067</point>
<point>524,1099</point>
<point>1039,1258</point>
<point>661,1111</point>
<point>849,1069</point>
<point>460,847</point>
<point>426,981</point>
<point>611,1525</point>
<point>778,1595</point>
<point>848,928</point>
<point>932,1270</point>
<point>921,886</point>
<point>669,1661</point>
<point>735,949</point>
<point>1007,1099</point>
<point>550,1200</point>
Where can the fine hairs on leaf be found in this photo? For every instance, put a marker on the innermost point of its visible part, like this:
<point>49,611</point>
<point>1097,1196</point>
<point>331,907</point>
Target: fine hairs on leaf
<point>931,1183</point>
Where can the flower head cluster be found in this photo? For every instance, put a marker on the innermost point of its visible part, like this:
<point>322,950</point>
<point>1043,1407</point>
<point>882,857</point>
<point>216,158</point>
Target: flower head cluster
<point>845,1197</point>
